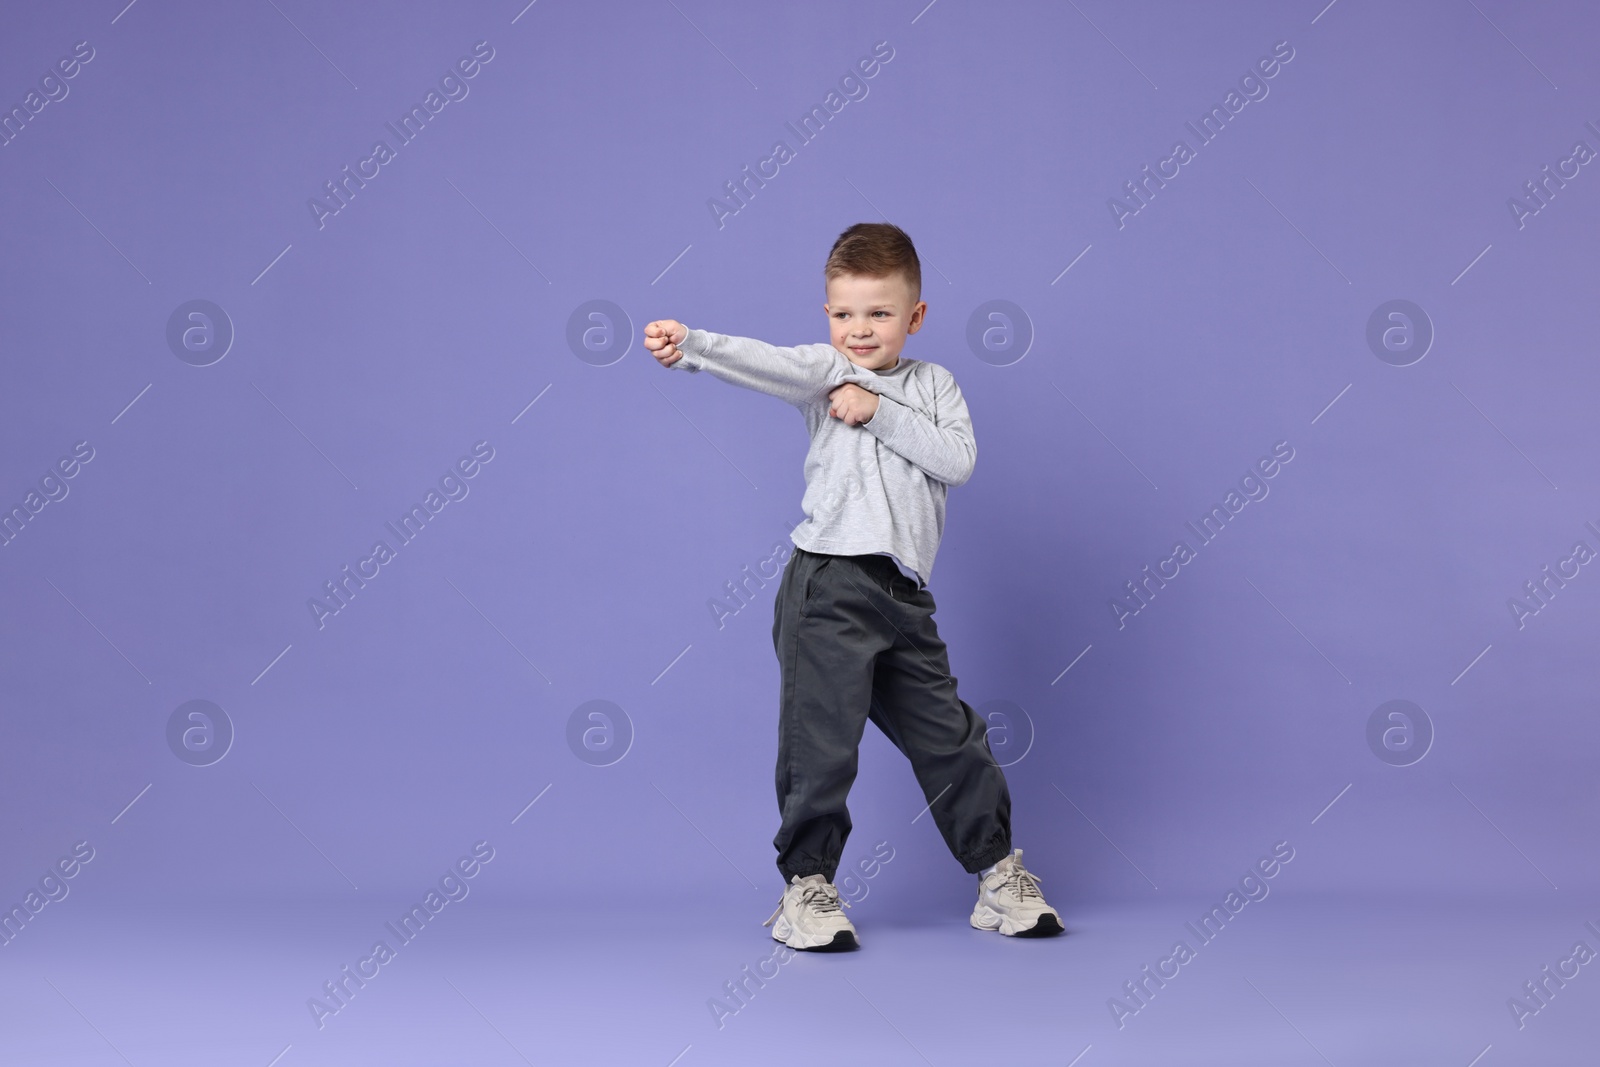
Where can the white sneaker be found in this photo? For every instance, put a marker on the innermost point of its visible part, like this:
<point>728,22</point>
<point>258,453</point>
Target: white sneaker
<point>1009,901</point>
<point>808,916</point>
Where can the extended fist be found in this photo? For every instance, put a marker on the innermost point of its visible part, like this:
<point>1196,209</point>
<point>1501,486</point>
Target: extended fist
<point>852,403</point>
<point>661,338</point>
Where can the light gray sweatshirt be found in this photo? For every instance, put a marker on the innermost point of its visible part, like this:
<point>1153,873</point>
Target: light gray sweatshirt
<point>878,487</point>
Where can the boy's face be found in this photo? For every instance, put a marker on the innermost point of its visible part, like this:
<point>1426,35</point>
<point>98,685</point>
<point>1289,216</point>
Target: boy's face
<point>870,318</point>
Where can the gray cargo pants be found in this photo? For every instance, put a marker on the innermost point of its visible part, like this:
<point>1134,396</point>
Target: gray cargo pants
<point>855,640</point>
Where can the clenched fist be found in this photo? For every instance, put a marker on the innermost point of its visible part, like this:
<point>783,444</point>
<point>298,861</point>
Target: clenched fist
<point>661,338</point>
<point>852,403</point>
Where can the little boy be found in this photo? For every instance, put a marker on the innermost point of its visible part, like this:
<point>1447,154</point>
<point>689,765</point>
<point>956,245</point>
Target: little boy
<point>853,619</point>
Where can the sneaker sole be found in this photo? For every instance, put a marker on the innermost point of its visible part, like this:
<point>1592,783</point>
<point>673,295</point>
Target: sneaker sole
<point>1047,926</point>
<point>986,918</point>
<point>842,940</point>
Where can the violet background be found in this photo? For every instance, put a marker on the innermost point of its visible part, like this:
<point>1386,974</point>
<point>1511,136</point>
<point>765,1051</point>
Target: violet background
<point>434,308</point>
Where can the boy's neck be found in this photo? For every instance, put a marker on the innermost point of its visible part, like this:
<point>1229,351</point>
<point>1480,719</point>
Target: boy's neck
<point>898,359</point>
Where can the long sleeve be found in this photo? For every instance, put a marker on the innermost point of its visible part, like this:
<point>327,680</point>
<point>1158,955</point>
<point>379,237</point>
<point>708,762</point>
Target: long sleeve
<point>943,447</point>
<point>795,375</point>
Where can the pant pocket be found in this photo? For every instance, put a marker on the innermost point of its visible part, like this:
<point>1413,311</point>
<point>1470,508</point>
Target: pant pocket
<point>812,582</point>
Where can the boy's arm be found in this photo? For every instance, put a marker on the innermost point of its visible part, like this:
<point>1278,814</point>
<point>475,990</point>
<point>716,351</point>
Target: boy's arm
<point>943,448</point>
<point>792,374</point>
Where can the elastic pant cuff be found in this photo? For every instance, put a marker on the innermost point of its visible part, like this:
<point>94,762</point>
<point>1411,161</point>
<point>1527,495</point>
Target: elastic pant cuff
<point>997,851</point>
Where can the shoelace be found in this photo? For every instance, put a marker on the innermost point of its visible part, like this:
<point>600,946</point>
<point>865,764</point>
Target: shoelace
<point>822,898</point>
<point>1022,882</point>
